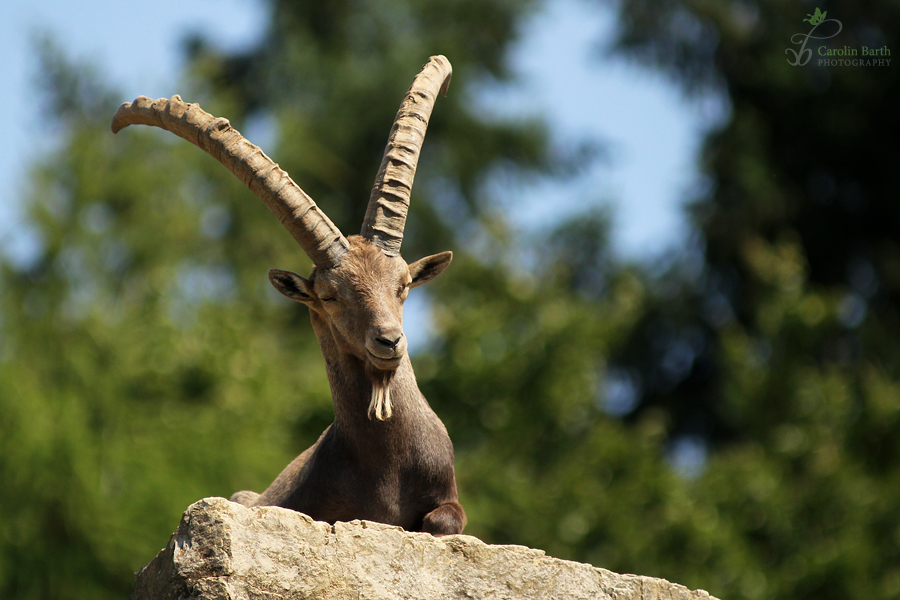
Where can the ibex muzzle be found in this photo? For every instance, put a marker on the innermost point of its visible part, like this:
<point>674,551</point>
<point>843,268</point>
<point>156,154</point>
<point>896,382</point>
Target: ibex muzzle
<point>387,456</point>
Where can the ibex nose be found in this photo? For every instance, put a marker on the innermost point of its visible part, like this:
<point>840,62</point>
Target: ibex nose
<point>389,340</point>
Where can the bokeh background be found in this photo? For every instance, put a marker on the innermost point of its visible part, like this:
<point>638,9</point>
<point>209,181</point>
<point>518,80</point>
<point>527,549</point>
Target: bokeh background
<point>667,345</point>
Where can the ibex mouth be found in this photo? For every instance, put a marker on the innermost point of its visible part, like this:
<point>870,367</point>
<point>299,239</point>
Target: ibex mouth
<point>384,363</point>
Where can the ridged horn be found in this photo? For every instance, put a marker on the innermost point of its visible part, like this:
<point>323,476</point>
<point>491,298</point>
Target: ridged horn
<point>389,202</point>
<point>322,241</point>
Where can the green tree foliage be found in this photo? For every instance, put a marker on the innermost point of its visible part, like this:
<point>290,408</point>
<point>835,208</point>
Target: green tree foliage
<point>135,376</point>
<point>793,378</point>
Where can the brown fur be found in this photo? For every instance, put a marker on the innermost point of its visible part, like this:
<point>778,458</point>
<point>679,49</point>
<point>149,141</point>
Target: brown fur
<point>393,465</point>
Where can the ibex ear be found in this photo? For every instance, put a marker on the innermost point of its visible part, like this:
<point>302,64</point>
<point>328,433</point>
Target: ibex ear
<point>291,285</point>
<point>425,269</point>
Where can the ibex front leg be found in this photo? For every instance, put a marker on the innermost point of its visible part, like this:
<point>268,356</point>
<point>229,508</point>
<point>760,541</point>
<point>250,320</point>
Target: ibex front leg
<point>447,519</point>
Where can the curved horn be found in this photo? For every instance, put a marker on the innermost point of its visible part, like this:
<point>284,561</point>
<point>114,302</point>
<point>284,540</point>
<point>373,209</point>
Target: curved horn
<point>389,202</point>
<point>316,234</point>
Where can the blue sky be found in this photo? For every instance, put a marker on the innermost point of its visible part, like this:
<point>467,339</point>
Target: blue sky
<point>652,132</point>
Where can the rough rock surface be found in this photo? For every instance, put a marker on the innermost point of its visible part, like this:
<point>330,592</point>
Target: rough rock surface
<point>223,550</point>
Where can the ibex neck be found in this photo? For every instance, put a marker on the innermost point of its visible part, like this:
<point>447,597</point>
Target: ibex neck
<point>351,389</point>
<point>351,379</point>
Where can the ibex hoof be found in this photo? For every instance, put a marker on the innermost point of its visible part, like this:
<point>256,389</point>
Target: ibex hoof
<point>446,519</point>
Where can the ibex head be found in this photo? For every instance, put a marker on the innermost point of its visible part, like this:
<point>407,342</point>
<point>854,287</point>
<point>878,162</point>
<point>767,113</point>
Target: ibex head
<point>361,299</point>
<point>357,288</point>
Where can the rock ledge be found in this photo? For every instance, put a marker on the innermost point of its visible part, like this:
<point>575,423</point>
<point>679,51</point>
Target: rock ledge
<point>224,551</point>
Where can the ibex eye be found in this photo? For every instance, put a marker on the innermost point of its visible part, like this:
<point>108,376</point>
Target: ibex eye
<point>329,299</point>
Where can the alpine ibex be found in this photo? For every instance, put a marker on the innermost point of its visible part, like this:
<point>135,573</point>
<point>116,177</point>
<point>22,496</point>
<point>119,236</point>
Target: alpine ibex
<point>387,456</point>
